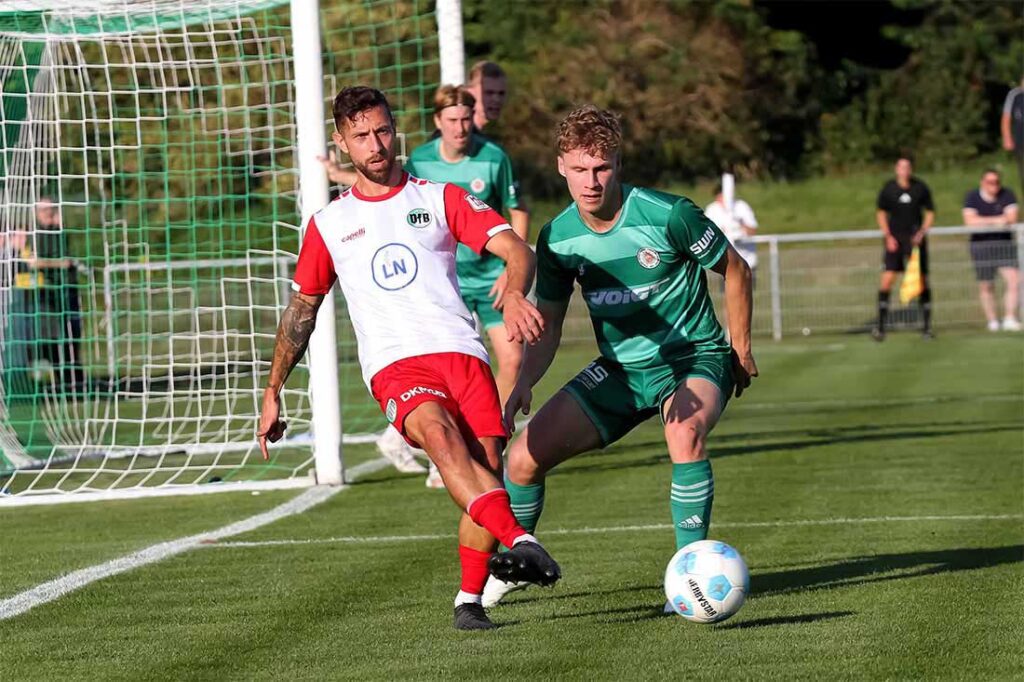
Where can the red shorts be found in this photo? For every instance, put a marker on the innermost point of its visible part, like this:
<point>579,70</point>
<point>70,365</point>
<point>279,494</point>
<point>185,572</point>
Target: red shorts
<point>462,383</point>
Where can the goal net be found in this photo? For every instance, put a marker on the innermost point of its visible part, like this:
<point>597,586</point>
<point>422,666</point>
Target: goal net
<point>149,224</point>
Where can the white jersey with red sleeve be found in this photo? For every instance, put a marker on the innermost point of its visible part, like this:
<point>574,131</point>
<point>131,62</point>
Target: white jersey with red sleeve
<point>394,256</point>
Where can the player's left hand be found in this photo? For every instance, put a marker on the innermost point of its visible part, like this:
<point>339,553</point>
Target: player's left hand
<point>523,321</point>
<point>497,291</point>
<point>918,237</point>
<point>743,370</point>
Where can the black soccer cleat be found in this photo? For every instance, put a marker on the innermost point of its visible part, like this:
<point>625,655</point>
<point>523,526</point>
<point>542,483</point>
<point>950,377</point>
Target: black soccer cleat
<point>526,562</point>
<point>927,335</point>
<point>472,617</point>
<point>877,334</point>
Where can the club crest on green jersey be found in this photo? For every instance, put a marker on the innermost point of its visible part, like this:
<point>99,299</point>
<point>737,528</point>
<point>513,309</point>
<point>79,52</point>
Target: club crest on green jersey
<point>477,185</point>
<point>419,217</point>
<point>648,258</point>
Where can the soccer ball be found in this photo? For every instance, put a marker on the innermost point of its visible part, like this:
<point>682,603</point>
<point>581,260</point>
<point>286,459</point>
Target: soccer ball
<point>706,581</point>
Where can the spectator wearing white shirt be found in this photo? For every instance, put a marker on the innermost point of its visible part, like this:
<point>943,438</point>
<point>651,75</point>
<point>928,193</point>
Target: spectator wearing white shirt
<point>737,225</point>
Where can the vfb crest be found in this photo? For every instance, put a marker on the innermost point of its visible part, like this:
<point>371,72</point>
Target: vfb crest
<point>419,217</point>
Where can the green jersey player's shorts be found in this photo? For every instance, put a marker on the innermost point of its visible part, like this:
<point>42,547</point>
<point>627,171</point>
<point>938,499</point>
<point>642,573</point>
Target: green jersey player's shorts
<point>617,398</point>
<point>481,305</point>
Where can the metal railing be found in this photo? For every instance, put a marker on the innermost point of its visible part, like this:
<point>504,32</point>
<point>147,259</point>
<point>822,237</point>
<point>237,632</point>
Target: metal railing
<point>827,282</point>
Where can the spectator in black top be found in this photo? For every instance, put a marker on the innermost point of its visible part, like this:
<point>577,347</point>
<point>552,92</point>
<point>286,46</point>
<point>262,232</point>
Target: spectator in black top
<point>994,251</point>
<point>905,214</point>
<point>1012,127</point>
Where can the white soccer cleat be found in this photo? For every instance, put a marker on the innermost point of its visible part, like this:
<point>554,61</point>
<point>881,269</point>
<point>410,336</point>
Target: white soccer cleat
<point>495,590</point>
<point>1011,324</point>
<point>393,448</point>
<point>434,479</point>
<point>993,325</point>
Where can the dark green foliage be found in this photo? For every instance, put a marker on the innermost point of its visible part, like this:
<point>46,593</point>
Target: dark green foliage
<point>707,85</point>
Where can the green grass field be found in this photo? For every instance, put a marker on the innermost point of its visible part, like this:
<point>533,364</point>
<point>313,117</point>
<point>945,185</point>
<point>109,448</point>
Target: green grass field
<point>876,492</point>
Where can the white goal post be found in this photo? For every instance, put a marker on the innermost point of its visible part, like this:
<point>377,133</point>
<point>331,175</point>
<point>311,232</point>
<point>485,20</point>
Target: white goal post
<point>158,161</point>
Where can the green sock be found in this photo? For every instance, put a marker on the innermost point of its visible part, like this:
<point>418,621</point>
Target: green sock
<point>693,490</point>
<point>527,503</point>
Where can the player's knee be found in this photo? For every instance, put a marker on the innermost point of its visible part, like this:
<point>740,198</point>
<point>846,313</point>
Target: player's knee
<point>686,441</point>
<point>523,469</point>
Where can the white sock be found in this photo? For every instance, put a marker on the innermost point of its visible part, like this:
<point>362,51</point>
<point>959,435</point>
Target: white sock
<point>466,598</point>
<point>525,537</point>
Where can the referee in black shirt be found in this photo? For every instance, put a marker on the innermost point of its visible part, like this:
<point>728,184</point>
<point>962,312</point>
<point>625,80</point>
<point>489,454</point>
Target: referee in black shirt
<point>905,214</point>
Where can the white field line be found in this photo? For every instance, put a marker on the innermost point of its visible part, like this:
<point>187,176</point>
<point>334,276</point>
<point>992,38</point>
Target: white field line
<point>593,530</point>
<point>54,589</point>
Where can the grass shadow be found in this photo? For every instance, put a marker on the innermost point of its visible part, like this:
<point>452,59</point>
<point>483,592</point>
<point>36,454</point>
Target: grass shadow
<point>813,438</point>
<point>783,620</point>
<point>881,568</point>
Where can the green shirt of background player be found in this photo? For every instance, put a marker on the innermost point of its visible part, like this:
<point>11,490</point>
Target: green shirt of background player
<point>639,257</point>
<point>481,167</point>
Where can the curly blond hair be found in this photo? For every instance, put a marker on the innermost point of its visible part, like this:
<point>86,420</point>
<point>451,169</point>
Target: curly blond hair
<point>595,131</point>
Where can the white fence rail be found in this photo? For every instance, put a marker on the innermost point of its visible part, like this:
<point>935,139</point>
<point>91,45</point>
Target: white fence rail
<point>827,282</point>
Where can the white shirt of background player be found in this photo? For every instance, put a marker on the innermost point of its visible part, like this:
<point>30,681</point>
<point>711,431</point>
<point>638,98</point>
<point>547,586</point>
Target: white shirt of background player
<point>736,227</point>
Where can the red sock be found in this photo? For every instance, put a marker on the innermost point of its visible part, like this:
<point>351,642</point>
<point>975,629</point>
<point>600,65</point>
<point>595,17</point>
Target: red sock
<point>492,511</point>
<point>474,569</point>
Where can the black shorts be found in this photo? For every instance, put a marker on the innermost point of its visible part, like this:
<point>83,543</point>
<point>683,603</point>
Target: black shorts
<point>990,255</point>
<point>896,261</point>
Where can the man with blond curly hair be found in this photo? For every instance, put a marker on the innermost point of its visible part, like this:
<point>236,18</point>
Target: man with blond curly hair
<point>639,257</point>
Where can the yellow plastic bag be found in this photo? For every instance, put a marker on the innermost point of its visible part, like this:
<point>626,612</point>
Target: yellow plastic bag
<point>911,286</point>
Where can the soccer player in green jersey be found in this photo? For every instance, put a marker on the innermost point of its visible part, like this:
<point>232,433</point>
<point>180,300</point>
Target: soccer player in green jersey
<point>481,167</point>
<point>464,158</point>
<point>639,257</point>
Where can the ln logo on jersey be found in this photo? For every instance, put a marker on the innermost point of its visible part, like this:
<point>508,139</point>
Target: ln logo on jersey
<point>477,185</point>
<point>648,258</point>
<point>391,411</point>
<point>419,217</point>
<point>476,204</point>
<point>394,267</point>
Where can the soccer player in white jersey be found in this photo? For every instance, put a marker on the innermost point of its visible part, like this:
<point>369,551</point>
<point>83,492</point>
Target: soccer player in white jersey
<point>390,242</point>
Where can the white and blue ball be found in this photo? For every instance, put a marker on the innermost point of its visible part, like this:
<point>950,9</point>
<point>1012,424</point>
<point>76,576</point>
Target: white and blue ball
<point>706,581</point>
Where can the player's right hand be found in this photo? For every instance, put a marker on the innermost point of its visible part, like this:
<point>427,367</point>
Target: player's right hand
<point>271,427</point>
<point>523,321</point>
<point>518,400</point>
<point>891,245</point>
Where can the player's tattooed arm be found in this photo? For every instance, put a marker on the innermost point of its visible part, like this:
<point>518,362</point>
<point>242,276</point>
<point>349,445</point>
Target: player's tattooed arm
<point>293,332</point>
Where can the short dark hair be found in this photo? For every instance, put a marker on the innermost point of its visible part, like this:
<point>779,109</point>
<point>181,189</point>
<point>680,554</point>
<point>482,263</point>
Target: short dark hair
<point>354,100</point>
<point>905,154</point>
<point>484,69</point>
<point>717,189</point>
<point>994,171</point>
